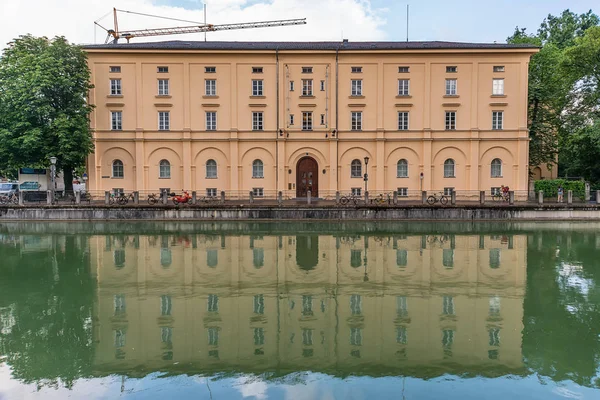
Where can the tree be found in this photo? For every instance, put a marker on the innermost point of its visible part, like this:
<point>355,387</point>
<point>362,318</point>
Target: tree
<point>44,112</point>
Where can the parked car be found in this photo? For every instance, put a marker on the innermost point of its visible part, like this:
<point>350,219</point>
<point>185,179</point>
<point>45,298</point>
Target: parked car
<point>8,188</point>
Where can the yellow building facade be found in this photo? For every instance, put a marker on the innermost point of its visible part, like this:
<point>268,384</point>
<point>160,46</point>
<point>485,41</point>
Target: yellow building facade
<point>293,117</point>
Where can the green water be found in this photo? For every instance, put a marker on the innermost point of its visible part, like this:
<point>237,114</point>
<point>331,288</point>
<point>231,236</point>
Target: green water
<point>299,311</point>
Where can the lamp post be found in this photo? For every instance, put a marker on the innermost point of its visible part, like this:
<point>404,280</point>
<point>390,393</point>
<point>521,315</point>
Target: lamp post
<point>52,175</point>
<point>366,277</point>
<point>366,176</point>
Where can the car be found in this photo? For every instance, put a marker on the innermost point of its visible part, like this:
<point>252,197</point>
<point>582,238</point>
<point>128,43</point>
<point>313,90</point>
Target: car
<point>8,188</point>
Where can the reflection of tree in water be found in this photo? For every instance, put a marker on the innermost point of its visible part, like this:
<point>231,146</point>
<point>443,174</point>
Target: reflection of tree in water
<point>307,252</point>
<point>49,293</point>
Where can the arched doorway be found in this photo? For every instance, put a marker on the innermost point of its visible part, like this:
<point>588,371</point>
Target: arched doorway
<point>307,177</point>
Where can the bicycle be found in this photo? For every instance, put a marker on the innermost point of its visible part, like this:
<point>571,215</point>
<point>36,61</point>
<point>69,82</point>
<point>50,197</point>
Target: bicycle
<point>349,198</point>
<point>209,199</point>
<point>381,200</point>
<point>442,199</point>
<point>11,198</point>
<point>499,196</point>
<point>84,196</point>
<point>153,198</point>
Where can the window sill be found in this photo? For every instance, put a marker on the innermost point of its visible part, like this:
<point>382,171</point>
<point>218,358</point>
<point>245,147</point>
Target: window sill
<point>404,96</point>
<point>452,177</point>
<point>208,96</point>
<point>212,177</point>
<point>307,96</point>
<point>358,96</point>
<point>258,177</point>
<point>164,177</point>
<point>451,96</point>
<point>117,177</point>
<point>163,96</point>
<point>355,130</point>
<point>116,130</point>
<point>402,177</point>
<point>450,130</point>
<point>497,177</point>
<point>258,130</point>
<point>498,96</point>
<point>164,130</point>
<point>307,130</point>
<point>356,177</point>
<point>115,96</point>
<point>258,97</point>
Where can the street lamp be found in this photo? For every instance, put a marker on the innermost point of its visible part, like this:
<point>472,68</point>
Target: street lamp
<point>366,277</point>
<point>52,174</point>
<point>366,175</point>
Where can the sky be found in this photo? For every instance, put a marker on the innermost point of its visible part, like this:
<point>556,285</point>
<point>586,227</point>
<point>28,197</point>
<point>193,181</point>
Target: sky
<point>355,20</point>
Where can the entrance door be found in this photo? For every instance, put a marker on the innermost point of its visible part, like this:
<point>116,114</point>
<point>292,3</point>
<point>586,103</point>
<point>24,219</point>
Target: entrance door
<point>307,177</point>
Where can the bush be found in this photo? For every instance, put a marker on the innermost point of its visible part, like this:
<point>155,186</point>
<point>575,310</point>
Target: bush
<point>550,187</point>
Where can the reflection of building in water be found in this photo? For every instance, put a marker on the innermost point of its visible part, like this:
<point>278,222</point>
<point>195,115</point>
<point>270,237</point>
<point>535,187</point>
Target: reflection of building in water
<point>324,303</point>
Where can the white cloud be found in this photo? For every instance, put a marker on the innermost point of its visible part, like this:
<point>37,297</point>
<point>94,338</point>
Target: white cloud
<point>327,19</point>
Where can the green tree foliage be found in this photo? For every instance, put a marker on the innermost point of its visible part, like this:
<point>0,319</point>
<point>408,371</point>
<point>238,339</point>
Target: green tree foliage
<point>44,112</point>
<point>550,187</point>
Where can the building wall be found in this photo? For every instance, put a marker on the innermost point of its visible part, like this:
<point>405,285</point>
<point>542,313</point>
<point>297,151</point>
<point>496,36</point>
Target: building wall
<point>333,144</point>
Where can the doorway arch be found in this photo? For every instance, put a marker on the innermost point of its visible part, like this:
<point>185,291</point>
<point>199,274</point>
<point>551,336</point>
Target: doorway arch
<point>307,177</point>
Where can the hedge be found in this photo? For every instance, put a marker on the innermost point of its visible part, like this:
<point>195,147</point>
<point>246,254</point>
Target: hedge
<point>550,187</point>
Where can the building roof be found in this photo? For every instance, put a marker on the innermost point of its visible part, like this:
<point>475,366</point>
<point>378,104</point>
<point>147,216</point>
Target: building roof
<point>314,46</point>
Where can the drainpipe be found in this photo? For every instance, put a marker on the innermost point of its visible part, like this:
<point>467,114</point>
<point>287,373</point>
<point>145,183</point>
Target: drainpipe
<point>277,125</point>
<point>337,117</point>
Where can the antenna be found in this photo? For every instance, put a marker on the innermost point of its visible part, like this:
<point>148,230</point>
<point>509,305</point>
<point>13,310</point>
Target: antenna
<point>407,11</point>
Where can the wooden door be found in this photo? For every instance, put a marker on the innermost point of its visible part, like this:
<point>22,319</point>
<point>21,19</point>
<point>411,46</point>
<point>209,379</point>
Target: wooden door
<point>307,177</point>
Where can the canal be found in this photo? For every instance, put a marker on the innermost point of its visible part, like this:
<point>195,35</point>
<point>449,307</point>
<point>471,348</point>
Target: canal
<point>299,311</point>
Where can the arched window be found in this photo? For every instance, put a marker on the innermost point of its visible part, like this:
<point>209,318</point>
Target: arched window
<point>166,257</point>
<point>257,169</point>
<point>211,169</point>
<point>117,169</point>
<point>356,169</point>
<point>449,168</point>
<point>402,168</point>
<point>164,169</point>
<point>119,258</point>
<point>496,168</point>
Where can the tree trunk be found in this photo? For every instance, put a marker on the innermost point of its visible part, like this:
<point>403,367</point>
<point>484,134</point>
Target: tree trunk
<point>68,177</point>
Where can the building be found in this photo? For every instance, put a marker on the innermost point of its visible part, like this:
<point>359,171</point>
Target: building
<point>299,116</point>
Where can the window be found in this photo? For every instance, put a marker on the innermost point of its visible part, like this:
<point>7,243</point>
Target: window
<point>322,86</point>
<point>307,87</point>
<point>448,305</point>
<point>258,192</point>
<point>163,87</point>
<point>117,169</point>
<point>307,121</point>
<point>257,169</point>
<point>257,121</point>
<point>494,258</point>
<point>356,120</point>
<point>259,337</point>
<point>259,304</point>
<point>356,191</point>
<point>493,354</point>
<point>115,87</point>
<point>447,338</point>
<point>211,169</point>
<point>495,191</point>
<point>211,120</point>
<point>355,336</point>
<point>210,87</point>
<point>494,306</point>
<point>401,337</point>
<point>451,87</point>
<point>119,338</point>
<point>401,306</point>
<point>119,256</point>
<point>291,86</point>
<point>498,68</point>
<point>211,192</point>
<point>498,87</point>
<point>403,70</point>
<point>291,119</point>
<point>356,304</point>
<point>356,87</point>
<point>116,120</point>
<point>322,119</point>
<point>356,169</point>
<point>401,258</point>
<point>403,87</point>
<point>166,305</point>
<point>119,303</point>
<point>402,169</point>
<point>497,119</point>
<point>164,169</point>
<point>496,168</point>
<point>448,191</point>
<point>162,70</point>
<point>307,337</point>
<point>119,192</point>
<point>307,70</point>
<point>213,336</point>
<point>451,69</point>
<point>494,334</point>
<point>356,70</point>
<point>449,168</point>
<point>212,258</point>
<point>166,257</point>
<point>403,120</point>
<point>450,120</point>
<point>448,258</point>
<point>355,258</point>
<point>403,192</point>
<point>114,69</point>
<point>257,70</point>
<point>213,303</point>
<point>164,120</point>
<point>307,303</point>
<point>210,70</point>
<point>257,87</point>
<point>258,257</point>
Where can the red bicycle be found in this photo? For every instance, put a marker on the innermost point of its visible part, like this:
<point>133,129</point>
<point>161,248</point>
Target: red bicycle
<point>185,198</point>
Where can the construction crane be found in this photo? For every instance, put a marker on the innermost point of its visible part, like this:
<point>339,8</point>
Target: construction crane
<point>115,34</point>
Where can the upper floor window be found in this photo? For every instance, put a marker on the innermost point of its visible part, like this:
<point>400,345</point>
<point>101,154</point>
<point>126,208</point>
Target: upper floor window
<point>497,120</point>
<point>115,87</point>
<point>166,305</point>
<point>450,120</point>
<point>307,87</point>
<point>403,120</point>
<point>356,304</point>
<point>451,69</point>
<point>322,119</point>
<point>257,121</point>
<point>164,118</point>
<point>356,169</point>
<point>356,70</point>
<point>257,169</point>
<point>210,70</point>
<point>163,87</point>
<point>291,119</point>
<point>496,168</point>
<point>356,121</point>
<point>451,85</point>
<point>448,305</point>
<point>498,68</point>
<point>114,69</point>
<point>164,169</point>
<point>291,86</point>
<point>403,70</point>
<point>210,86</point>
<point>259,304</point>
<point>257,70</point>
<point>307,70</point>
<point>257,87</point>
<point>116,120</point>
<point>211,120</point>
<point>211,169</point>
<point>356,87</point>
<point>402,169</point>
<point>403,87</point>
<point>307,124</point>
<point>162,70</point>
<point>498,87</point>
<point>117,169</point>
<point>322,86</point>
<point>449,168</point>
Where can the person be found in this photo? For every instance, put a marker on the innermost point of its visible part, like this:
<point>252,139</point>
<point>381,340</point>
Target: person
<point>505,190</point>
<point>560,194</point>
